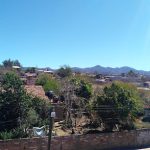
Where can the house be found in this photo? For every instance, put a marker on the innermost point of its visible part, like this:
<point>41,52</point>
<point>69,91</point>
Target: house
<point>30,78</point>
<point>16,67</point>
<point>46,71</point>
<point>49,72</point>
<point>101,81</point>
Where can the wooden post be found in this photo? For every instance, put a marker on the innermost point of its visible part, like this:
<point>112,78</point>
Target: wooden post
<point>50,128</point>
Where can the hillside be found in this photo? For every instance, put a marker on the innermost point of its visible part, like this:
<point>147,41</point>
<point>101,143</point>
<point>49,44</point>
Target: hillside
<point>109,70</point>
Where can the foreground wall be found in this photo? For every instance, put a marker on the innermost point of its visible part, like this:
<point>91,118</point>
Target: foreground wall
<point>101,141</point>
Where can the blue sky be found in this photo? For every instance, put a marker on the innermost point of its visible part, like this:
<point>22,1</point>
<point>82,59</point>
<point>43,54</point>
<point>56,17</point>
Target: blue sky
<point>79,33</point>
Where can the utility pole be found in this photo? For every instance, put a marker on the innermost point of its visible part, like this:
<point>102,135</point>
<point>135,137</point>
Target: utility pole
<point>51,119</point>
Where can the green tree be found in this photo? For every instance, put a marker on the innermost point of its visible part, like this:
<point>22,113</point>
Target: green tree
<point>31,70</point>
<point>33,118</point>
<point>16,63</point>
<point>18,109</point>
<point>64,71</point>
<point>9,63</point>
<point>14,102</point>
<point>49,83</point>
<point>82,88</point>
<point>122,105</point>
<point>41,110</point>
<point>131,73</point>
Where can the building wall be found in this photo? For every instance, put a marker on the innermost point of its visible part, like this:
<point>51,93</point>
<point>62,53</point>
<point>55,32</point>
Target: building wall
<point>101,141</point>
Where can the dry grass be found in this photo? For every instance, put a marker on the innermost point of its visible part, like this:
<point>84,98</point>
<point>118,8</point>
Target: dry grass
<point>140,124</point>
<point>59,131</point>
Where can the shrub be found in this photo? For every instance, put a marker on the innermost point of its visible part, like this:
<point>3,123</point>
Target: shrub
<point>6,135</point>
<point>48,83</point>
<point>123,105</point>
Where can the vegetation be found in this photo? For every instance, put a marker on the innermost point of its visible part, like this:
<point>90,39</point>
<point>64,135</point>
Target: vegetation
<point>145,96</point>
<point>82,88</point>
<point>49,83</point>
<point>9,63</point>
<point>116,105</point>
<point>131,73</point>
<point>14,102</point>
<point>64,71</point>
<point>123,104</point>
<point>31,70</point>
<point>18,108</point>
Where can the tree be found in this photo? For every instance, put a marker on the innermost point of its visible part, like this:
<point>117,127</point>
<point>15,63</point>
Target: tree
<point>14,102</point>
<point>31,70</point>
<point>16,63</point>
<point>19,110</point>
<point>49,83</point>
<point>40,110</point>
<point>120,104</point>
<point>77,94</point>
<point>64,71</point>
<point>82,88</point>
<point>131,73</point>
<point>9,63</point>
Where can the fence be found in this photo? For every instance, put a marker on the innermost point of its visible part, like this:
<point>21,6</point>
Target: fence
<point>126,139</point>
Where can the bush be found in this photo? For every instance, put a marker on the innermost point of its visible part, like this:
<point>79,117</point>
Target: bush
<point>48,83</point>
<point>19,133</point>
<point>6,135</point>
<point>41,110</point>
<point>14,134</point>
<point>33,118</point>
<point>14,102</point>
<point>82,88</point>
<point>123,105</point>
<point>51,85</point>
<point>19,110</point>
<point>64,72</point>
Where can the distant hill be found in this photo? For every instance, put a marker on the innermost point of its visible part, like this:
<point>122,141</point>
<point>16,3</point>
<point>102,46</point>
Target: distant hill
<point>102,70</point>
<point>109,70</point>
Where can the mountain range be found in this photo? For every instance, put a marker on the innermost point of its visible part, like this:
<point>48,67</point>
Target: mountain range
<point>104,70</point>
<point>109,70</point>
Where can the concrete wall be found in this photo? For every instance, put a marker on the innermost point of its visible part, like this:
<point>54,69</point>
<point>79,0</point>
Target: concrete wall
<point>102,141</point>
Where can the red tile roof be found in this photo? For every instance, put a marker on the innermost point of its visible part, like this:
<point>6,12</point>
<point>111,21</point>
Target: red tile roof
<point>36,91</point>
